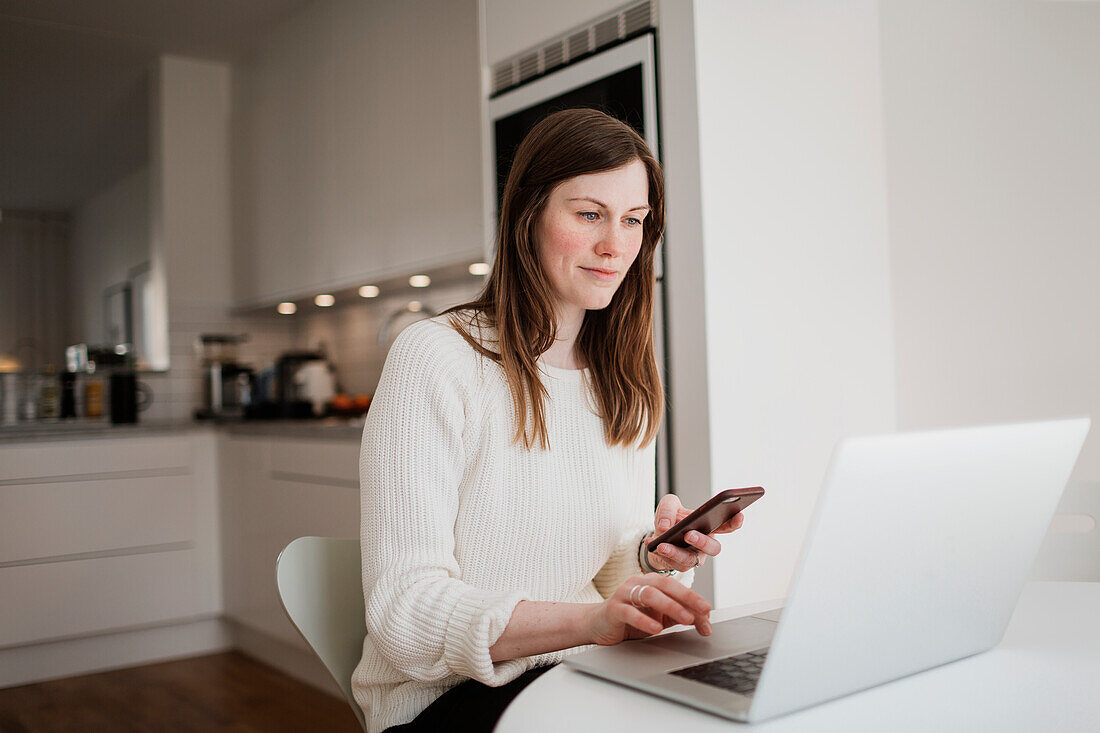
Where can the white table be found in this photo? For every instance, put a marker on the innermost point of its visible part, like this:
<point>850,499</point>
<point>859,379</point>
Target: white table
<point>1043,676</point>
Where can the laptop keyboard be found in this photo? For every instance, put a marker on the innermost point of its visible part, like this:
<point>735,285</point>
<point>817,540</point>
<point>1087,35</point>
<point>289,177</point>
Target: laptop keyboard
<point>737,673</point>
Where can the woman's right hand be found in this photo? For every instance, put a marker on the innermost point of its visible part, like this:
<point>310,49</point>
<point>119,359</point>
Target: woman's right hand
<point>664,602</point>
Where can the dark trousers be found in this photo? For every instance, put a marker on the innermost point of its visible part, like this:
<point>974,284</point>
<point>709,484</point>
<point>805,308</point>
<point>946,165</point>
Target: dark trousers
<point>469,706</point>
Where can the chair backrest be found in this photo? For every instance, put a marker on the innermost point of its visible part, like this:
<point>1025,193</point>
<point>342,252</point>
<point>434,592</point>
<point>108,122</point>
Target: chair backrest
<point>1071,549</point>
<point>321,588</point>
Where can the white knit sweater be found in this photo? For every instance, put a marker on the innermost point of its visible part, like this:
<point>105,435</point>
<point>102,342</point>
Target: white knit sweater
<point>459,524</point>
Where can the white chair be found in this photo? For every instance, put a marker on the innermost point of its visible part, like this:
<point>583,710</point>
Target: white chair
<point>321,588</point>
<point>1071,548</point>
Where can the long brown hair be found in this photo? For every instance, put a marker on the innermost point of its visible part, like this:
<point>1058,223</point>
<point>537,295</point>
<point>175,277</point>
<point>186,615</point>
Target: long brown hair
<point>615,342</point>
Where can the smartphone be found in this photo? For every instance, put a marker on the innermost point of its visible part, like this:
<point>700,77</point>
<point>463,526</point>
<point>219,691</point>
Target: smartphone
<point>711,515</point>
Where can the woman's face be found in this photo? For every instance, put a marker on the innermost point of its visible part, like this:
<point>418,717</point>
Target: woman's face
<point>589,235</point>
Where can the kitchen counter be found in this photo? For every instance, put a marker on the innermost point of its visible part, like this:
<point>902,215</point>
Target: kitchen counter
<point>328,428</point>
<point>322,429</point>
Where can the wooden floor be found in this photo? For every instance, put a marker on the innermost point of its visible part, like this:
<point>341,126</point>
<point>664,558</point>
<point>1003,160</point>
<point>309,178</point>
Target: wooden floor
<point>221,692</point>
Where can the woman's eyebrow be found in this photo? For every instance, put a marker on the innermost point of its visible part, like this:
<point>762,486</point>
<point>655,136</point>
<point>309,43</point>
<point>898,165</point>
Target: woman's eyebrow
<point>644,207</point>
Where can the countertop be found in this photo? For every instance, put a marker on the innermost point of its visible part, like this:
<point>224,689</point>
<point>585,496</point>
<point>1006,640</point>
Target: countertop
<point>57,430</point>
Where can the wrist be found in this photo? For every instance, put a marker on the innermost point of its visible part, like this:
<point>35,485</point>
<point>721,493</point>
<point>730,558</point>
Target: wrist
<point>588,621</point>
<point>645,561</point>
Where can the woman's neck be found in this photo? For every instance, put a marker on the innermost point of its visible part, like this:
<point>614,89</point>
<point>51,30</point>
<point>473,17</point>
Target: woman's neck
<point>562,353</point>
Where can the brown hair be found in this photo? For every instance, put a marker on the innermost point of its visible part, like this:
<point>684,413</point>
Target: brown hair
<point>615,342</point>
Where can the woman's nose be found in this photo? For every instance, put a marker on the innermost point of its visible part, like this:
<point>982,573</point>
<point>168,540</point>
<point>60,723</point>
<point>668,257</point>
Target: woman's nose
<point>613,243</point>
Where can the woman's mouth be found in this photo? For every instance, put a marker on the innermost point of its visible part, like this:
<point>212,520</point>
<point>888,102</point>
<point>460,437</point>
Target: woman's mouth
<point>600,274</point>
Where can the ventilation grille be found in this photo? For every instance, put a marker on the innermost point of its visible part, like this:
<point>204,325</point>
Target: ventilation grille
<point>580,43</point>
<point>606,31</point>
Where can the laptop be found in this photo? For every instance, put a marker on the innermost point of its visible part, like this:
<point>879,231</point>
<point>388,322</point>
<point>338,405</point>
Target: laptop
<point>917,552</point>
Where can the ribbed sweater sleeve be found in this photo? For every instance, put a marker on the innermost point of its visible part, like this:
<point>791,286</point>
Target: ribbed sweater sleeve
<point>623,561</point>
<point>423,618</point>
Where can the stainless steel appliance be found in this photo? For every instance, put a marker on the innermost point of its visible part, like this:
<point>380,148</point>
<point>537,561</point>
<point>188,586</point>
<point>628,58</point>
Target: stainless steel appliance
<point>227,384</point>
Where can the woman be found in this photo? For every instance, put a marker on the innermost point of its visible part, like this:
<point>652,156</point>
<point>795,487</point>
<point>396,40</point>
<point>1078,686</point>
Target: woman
<point>507,460</point>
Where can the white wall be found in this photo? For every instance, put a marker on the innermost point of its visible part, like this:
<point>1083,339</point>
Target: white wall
<point>799,347</point>
<point>110,235</point>
<point>191,229</point>
<point>992,111</point>
<point>191,184</point>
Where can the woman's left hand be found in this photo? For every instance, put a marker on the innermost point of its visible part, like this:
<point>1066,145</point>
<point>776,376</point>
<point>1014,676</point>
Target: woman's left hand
<point>671,557</point>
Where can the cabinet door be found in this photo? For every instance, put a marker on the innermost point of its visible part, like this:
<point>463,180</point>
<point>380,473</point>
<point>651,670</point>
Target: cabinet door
<point>276,490</point>
<point>105,535</point>
<point>360,126</point>
<point>245,513</point>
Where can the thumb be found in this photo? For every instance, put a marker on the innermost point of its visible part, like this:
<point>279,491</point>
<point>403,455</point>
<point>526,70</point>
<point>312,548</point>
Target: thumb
<point>668,509</point>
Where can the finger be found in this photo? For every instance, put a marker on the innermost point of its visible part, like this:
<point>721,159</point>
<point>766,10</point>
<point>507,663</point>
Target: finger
<point>639,620</point>
<point>679,558</point>
<point>732,524</point>
<point>655,599</point>
<point>667,512</point>
<point>683,612</point>
<point>703,543</point>
<point>685,596</point>
<point>656,615</point>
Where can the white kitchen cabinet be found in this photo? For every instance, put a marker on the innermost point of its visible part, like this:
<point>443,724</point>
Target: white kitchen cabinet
<point>106,535</point>
<point>54,600</point>
<point>358,148</point>
<point>274,490</point>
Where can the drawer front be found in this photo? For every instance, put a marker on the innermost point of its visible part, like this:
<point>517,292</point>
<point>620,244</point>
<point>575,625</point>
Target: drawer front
<point>94,457</point>
<point>59,599</point>
<point>335,463</point>
<point>44,520</point>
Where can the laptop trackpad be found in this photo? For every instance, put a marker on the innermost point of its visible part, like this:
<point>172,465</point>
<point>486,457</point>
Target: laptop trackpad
<point>729,637</point>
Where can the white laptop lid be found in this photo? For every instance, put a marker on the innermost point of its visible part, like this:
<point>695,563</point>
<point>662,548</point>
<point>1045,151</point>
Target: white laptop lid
<point>921,543</point>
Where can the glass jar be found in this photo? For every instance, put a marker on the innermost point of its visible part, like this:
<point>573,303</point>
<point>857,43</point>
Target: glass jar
<point>49,395</point>
<point>28,398</point>
<point>93,394</point>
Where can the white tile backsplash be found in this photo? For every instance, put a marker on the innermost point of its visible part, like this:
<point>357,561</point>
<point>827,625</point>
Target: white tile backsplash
<point>349,333</point>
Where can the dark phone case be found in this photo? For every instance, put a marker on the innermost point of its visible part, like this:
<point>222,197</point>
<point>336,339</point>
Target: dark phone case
<point>711,515</point>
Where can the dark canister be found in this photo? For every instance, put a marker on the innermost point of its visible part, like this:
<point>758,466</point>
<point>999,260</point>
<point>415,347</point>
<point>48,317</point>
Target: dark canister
<point>128,396</point>
<point>68,394</point>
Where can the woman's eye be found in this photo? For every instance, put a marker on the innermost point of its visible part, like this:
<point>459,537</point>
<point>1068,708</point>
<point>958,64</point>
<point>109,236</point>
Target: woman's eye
<point>589,215</point>
<point>633,221</point>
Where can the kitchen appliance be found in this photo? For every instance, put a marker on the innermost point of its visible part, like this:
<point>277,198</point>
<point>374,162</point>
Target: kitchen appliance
<point>68,395</point>
<point>609,65</point>
<point>128,397</point>
<point>315,382</point>
<point>227,384</point>
<point>280,393</point>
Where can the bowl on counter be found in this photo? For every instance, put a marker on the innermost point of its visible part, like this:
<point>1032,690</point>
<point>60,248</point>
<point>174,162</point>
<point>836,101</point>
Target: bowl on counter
<point>345,405</point>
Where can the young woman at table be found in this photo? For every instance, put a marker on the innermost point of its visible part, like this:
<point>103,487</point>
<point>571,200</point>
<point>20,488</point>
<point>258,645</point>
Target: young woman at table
<point>507,465</point>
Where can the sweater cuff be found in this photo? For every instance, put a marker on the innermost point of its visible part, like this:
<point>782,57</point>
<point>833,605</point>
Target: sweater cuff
<point>477,621</point>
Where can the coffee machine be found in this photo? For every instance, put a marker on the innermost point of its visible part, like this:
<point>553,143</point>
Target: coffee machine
<point>293,399</point>
<point>227,384</point>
